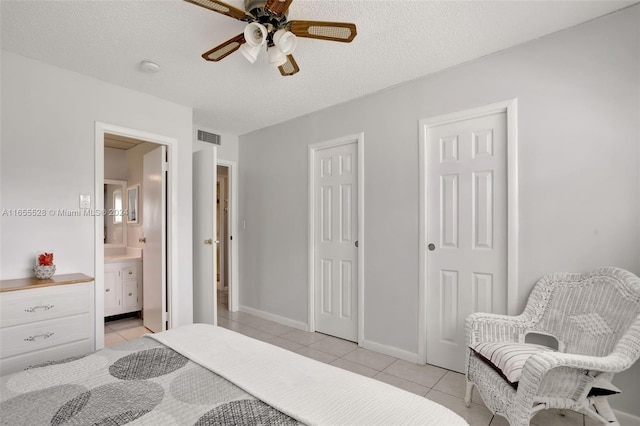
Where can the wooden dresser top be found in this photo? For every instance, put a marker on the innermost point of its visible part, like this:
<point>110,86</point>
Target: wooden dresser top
<point>32,282</point>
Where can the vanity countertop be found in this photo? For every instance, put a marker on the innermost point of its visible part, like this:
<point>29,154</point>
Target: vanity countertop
<point>120,257</point>
<point>118,254</point>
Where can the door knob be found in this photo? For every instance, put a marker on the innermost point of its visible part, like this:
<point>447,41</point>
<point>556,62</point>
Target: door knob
<point>431,247</point>
<point>142,239</point>
<point>209,242</point>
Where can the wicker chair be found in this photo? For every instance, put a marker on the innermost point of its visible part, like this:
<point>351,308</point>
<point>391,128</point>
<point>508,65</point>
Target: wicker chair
<point>595,318</point>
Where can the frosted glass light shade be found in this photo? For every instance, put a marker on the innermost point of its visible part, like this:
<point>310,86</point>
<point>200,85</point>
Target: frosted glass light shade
<point>286,41</point>
<point>255,34</point>
<point>276,57</point>
<point>250,52</point>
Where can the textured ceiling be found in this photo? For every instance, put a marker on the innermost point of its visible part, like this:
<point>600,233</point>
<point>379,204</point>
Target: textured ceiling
<point>397,41</point>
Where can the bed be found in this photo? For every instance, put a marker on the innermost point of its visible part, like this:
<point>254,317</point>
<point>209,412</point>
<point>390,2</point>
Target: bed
<point>206,375</point>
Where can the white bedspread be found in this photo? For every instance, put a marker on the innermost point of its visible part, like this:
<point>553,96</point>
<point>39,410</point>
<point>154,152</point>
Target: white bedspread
<point>307,390</point>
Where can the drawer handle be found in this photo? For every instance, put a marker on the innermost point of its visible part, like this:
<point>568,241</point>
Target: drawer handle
<point>108,290</point>
<point>45,307</point>
<point>130,273</point>
<point>33,338</point>
<point>130,294</point>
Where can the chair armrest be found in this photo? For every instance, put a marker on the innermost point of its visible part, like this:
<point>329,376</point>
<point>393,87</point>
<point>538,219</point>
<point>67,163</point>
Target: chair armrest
<point>612,363</point>
<point>481,327</point>
<point>539,365</point>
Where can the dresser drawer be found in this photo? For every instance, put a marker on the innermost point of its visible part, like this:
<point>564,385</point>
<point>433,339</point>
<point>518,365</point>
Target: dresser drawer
<point>57,353</point>
<point>25,338</point>
<point>24,306</point>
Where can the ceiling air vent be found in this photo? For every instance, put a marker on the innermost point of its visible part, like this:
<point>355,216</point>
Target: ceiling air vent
<point>208,137</point>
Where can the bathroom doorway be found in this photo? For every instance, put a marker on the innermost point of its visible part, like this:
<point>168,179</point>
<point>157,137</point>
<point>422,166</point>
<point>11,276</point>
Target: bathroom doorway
<point>133,238</point>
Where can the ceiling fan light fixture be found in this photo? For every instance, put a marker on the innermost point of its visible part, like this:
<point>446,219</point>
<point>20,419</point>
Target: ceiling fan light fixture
<point>276,57</point>
<point>267,23</point>
<point>286,41</point>
<point>255,34</point>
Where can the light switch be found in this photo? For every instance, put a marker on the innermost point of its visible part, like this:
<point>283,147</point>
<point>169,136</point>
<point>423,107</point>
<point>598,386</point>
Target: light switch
<point>85,201</point>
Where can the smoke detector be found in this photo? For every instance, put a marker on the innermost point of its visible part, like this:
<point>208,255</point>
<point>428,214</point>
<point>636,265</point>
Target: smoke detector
<point>149,67</point>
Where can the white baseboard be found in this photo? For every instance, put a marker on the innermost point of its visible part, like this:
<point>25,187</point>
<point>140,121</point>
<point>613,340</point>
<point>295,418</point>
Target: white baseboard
<point>367,344</point>
<point>627,419</point>
<point>275,318</point>
<point>391,351</point>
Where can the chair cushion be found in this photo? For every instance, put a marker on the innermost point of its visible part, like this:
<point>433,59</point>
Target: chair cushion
<point>508,358</point>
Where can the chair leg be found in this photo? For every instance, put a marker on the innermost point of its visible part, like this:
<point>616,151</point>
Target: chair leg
<point>604,410</point>
<point>467,394</point>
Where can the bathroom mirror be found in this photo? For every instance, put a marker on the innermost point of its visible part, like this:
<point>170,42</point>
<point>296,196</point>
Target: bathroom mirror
<point>115,229</point>
<point>132,203</point>
<point>118,205</point>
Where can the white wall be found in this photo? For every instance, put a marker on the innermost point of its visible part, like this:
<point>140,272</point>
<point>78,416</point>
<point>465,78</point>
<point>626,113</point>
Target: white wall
<point>578,98</point>
<point>47,161</point>
<point>228,148</point>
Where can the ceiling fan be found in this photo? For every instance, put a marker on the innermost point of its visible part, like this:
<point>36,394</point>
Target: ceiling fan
<point>268,25</point>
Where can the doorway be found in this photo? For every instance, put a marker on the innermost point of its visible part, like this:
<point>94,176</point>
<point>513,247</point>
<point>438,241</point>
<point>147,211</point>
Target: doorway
<point>222,235</point>
<point>336,237</point>
<point>132,275</point>
<point>468,226</point>
<point>227,173</point>
<point>135,241</point>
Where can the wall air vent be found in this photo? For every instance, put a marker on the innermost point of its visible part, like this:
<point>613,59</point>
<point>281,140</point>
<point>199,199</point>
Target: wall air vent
<point>208,137</point>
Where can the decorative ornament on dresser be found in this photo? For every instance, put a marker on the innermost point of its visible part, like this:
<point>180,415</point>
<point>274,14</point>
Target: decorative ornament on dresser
<point>44,268</point>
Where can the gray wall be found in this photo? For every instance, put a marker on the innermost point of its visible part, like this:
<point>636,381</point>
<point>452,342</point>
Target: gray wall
<point>579,105</point>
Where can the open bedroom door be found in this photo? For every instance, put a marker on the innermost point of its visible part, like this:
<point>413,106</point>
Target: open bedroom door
<point>204,236</point>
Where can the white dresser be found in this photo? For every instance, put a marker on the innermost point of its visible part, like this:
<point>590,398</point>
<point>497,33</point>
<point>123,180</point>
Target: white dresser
<point>45,320</point>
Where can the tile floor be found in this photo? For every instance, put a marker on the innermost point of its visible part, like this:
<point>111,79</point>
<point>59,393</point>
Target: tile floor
<point>121,330</point>
<point>437,384</point>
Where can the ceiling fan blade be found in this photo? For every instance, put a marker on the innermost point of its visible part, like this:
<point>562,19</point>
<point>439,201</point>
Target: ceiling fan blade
<point>225,49</point>
<point>225,9</point>
<point>290,67</point>
<point>333,31</point>
<point>278,6</point>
